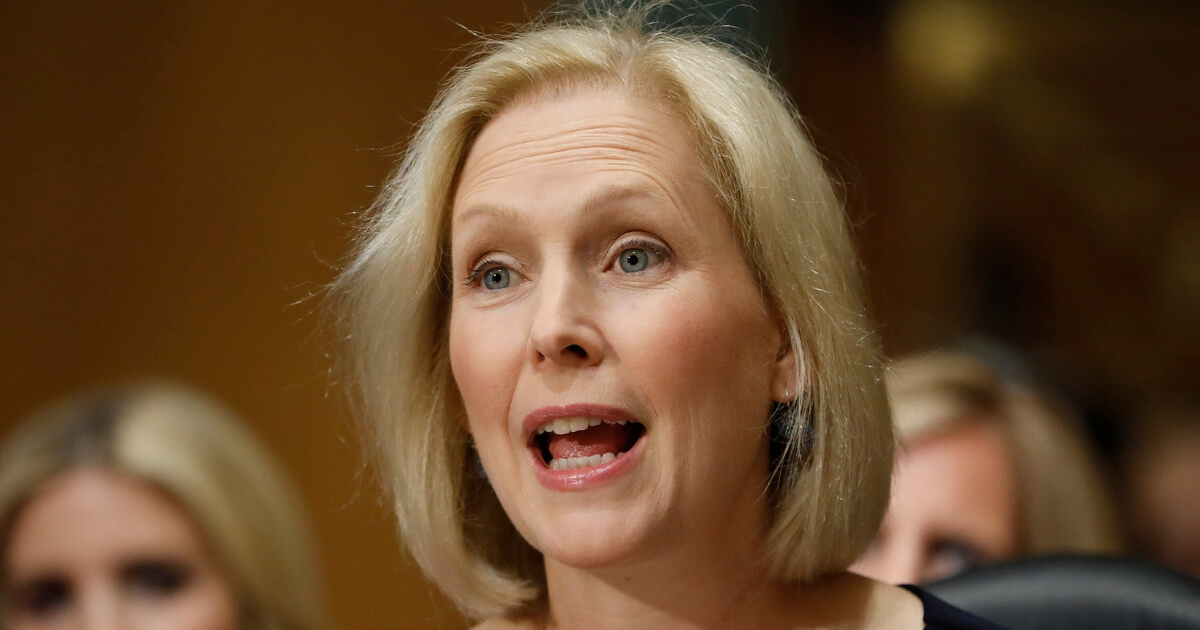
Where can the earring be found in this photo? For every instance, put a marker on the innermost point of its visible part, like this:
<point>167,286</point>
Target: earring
<point>787,395</point>
<point>479,466</point>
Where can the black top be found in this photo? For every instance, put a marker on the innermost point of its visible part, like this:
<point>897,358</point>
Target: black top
<point>942,616</point>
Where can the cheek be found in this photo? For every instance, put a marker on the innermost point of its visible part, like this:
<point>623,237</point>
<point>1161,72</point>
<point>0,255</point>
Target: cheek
<point>700,349</point>
<point>485,359</point>
<point>218,610</point>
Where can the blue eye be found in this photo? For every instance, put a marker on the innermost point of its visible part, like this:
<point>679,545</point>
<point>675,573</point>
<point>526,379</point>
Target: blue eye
<point>496,278</point>
<point>634,259</point>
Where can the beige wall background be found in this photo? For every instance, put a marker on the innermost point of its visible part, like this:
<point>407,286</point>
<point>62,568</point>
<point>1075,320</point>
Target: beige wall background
<point>178,182</point>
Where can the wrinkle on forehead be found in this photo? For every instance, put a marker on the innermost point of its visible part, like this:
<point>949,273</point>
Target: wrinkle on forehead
<point>628,137</point>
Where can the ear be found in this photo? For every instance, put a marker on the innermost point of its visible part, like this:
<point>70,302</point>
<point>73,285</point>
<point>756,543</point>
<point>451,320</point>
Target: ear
<point>785,386</point>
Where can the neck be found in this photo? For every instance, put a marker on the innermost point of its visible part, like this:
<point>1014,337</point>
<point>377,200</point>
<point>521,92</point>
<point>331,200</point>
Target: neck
<point>636,600</point>
<point>697,576</point>
<point>671,591</point>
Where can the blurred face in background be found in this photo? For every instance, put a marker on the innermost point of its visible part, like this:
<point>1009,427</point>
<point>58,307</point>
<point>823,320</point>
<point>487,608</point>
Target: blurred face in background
<point>1164,502</point>
<point>96,549</point>
<point>954,506</point>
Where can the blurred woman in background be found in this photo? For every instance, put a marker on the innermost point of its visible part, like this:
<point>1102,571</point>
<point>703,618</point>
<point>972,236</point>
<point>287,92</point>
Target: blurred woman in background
<point>1161,484</point>
<point>988,470</point>
<point>150,507</point>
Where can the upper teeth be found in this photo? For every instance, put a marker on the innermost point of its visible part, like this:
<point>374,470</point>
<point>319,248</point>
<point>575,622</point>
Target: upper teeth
<point>562,426</point>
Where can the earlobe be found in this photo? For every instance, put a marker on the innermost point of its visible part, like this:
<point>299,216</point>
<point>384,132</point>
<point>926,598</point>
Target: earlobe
<point>460,412</point>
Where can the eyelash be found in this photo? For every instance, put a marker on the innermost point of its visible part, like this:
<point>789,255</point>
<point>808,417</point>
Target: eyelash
<point>644,243</point>
<point>158,578</point>
<point>44,597</point>
<point>478,271</point>
<point>635,243</point>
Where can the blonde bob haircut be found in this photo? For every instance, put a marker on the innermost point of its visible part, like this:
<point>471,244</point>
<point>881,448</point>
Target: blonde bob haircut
<point>832,448</point>
<point>1064,504</point>
<point>198,455</point>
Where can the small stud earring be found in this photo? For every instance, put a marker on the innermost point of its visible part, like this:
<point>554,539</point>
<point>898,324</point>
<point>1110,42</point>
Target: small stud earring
<point>479,467</point>
<point>787,394</point>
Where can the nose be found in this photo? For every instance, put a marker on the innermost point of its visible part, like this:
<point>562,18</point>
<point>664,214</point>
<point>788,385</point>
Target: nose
<point>102,609</point>
<point>564,329</point>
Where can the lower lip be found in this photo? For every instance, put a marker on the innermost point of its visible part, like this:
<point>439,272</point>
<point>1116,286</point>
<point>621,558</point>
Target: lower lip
<point>584,478</point>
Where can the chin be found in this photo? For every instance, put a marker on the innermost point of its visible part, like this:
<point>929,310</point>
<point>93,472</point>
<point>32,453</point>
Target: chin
<point>594,539</point>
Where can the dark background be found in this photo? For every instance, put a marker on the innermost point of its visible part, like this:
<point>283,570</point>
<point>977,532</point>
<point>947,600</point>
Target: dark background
<point>178,181</point>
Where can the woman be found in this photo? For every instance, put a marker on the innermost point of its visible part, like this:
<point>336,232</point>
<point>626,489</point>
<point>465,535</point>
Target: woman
<point>1160,456</point>
<point>607,330</point>
<point>150,507</point>
<point>991,471</point>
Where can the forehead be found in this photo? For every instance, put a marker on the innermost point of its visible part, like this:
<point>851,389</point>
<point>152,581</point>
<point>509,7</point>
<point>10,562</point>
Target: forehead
<point>960,473</point>
<point>94,513</point>
<point>586,134</point>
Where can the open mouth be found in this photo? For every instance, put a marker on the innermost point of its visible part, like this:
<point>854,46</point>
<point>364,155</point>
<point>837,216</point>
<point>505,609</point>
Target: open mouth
<point>583,442</point>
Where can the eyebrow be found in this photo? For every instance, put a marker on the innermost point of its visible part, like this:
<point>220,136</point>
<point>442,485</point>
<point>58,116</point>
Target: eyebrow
<point>594,202</point>
<point>487,210</point>
<point>620,192</point>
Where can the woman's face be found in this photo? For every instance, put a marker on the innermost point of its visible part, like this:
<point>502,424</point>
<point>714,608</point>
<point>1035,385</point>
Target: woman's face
<point>614,356</point>
<point>954,506</point>
<point>99,550</point>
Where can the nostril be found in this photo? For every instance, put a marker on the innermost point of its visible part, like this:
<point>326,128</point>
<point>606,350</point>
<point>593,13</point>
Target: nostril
<point>577,350</point>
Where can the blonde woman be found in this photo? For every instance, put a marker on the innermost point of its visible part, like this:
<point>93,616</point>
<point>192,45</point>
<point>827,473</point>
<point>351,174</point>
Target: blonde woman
<point>990,470</point>
<point>608,336</point>
<point>150,507</point>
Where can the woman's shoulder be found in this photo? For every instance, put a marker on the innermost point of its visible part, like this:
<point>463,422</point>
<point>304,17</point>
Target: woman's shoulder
<point>848,600</point>
<point>877,605</point>
<point>942,616</point>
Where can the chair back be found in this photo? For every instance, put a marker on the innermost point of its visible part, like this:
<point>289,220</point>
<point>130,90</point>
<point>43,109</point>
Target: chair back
<point>1077,593</point>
